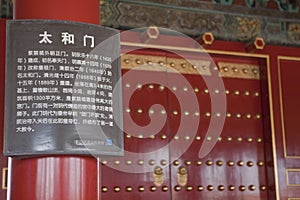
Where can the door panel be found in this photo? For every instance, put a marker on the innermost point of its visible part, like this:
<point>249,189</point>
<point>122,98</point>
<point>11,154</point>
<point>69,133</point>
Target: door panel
<point>287,135</point>
<point>143,172</point>
<point>236,167</point>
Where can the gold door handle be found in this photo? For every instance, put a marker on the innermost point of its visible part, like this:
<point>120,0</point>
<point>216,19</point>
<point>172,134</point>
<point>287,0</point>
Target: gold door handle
<point>158,176</point>
<point>4,178</point>
<point>182,176</point>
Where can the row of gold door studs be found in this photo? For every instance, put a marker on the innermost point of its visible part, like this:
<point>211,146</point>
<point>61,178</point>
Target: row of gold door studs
<point>198,138</point>
<point>188,188</point>
<point>195,89</point>
<point>198,163</point>
<point>221,163</point>
<point>183,63</point>
<point>206,114</point>
<point>192,66</point>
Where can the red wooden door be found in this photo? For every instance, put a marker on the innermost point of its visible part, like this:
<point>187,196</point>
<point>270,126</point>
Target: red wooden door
<point>143,172</point>
<point>237,166</point>
<point>286,96</point>
<point>202,110</point>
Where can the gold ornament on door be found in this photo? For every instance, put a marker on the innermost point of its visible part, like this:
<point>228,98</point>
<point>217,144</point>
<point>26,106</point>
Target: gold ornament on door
<point>158,176</point>
<point>182,176</point>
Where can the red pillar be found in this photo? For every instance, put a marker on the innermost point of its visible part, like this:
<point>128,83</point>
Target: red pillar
<point>73,10</point>
<point>55,177</point>
<point>3,160</point>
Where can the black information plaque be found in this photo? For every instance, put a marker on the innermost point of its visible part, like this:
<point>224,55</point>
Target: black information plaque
<point>62,94</point>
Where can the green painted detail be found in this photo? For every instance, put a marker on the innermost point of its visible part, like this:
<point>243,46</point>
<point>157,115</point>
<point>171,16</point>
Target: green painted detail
<point>279,26</point>
<point>106,12</point>
<point>288,5</point>
<point>294,7</point>
<point>197,17</point>
<point>223,2</point>
<point>257,3</point>
<point>250,3</point>
<point>264,2</point>
<point>6,8</point>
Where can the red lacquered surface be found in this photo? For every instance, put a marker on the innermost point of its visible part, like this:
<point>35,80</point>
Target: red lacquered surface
<point>237,168</point>
<point>289,72</point>
<point>73,10</point>
<point>285,88</point>
<point>55,177</point>
<point>3,160</point>
<point>230,170</point>
<point>131,176</point>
